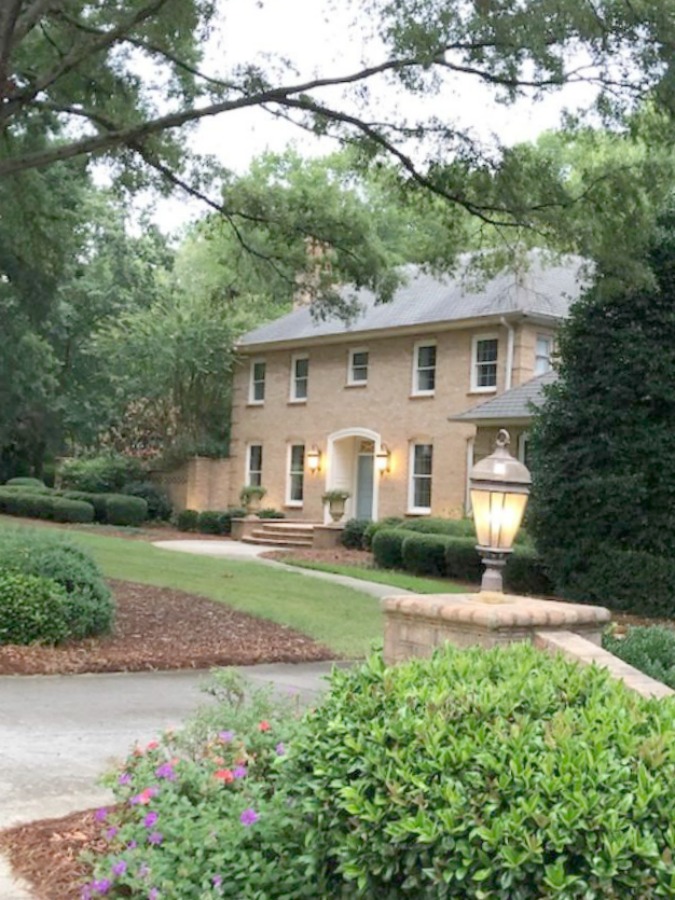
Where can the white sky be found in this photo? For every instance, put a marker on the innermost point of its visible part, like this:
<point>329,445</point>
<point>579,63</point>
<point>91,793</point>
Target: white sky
<point>319,41</point>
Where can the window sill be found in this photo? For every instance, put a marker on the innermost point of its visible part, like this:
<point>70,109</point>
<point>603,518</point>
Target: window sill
<point>256,403</point>
<point>301,402</point>
<point>421,511</point>
<point>485,390</point>
<point>356,384</point>
<point>423,395</point>
<point>294,504</point>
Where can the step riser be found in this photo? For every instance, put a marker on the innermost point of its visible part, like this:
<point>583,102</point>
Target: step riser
<point>277,542</point>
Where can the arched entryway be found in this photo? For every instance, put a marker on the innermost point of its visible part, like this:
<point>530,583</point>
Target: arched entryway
<point>351,466</point>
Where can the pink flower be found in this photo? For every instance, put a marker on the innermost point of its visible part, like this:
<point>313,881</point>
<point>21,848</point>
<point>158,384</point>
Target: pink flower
<point>110,833</point>
<point>225,775</point>
<point>119,868</point>
<point>249,817</point>
<point>240,772</point>
<point>102,886</point>
<point>156,837</point>
<point>153,745</point>
<point>144,797</point>
<point>125,778</point>
<point>226,736</point>
<point>151,819</point>
<point>165,771</point>
<point>280,749</point>
<point>101,814</point>
<point>264,725</point>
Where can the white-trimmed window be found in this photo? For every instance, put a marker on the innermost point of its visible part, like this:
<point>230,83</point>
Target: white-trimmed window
<point>484,363</point>
<point>421,471</point>
<point>524,449</point>
<point>542,354</point>
<point>357,372</point>
<point>256,391</point>
<point>295,488</point>
<point>254,461</point>
<point>299,378</point>
<point>424,369</point>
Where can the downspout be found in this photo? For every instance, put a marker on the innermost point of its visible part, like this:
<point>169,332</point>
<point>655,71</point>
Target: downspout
<point>510,340</point>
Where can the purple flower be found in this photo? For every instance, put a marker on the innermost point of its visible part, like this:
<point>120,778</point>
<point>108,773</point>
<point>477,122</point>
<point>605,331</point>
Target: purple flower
<point>155,838</point>
<point>226,736</point>
<point>143,870</point>
<point>151,819</point>
<point>85,894</point>
<point>165,771</point>
<point>132,845</point>
<point>217,880</point>
<point>101,814</point>
<point>110,833</point>
<point>119,868</point>
<point>102,886</point>
<point>239,772</point>
<point>280,749</point>
<point>249,817</point>
<point>125,778</point>
<point>153,894</point>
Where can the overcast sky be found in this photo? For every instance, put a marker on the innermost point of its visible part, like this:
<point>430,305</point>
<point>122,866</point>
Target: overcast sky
<point>320,41</point>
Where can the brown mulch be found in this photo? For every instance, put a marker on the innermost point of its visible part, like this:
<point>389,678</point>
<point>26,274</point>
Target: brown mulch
<point>161,628</point>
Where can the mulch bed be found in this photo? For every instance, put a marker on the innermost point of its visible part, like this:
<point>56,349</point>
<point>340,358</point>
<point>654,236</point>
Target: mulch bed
<point>161,628</point>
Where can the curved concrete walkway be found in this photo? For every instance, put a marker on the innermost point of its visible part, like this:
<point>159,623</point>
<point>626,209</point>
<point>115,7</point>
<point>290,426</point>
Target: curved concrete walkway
<point>237,551</point>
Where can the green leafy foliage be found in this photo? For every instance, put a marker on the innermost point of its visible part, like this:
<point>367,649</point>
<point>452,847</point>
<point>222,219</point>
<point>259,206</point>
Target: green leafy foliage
<point>87,607</point>
<point>387,546</point>
<point>63,510</point>
<point>353,533</point>
<point>267,513</point>
<point>424,554</point>
<point>650,649</point>
<point>98,501</point>
<point>26,482</point>
<point>122,509</point>
<point>374,527</point>
<point>526,573</point>
<point>462,560</point>
<point>486,774</point>
<point>187,520</point>
<point>209,522</point>
<point>159,505</point>
<point>42,504</point>
<point>99,474</point>
<point>602,448</point>
<point>431,525</point>
<point>32,609</point>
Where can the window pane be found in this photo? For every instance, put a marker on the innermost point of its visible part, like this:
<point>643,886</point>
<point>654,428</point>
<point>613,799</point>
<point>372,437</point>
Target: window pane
<point>426,380</point>
<point>259,371</point>
<point>426,357</point>
<point>360,358</point>
<point>258,381</point>
<point>423,457</point>
<point>422,498</point>
<point>296,492</point>
<point>301,368</point>
<point>297,458</point>
<point>422,470</point>
<point>359,366</point>
<point>487,375</point>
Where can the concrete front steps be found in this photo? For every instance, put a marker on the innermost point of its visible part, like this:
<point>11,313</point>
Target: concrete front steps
<point>281,534</point>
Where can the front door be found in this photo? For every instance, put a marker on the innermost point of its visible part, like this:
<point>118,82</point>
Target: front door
<point>364,486</point>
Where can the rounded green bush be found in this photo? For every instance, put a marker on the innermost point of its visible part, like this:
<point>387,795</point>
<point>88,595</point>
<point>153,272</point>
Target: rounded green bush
<point>424,554</point>
<point>89,608</point>
<point>121,509</point>
<point>388,547</point>
<point>374,527</point>
<point>98,501</point>
<point>210,522</point>
<point>32,609</point>
<point>25,481</point>
<point>525,572</point>
<point>353,532</point>
<point>476,774</point>
<point>30,502</point>
<point>452,527</point>
<point>462,560</point>
<point>187,520</point>
<point>64,510</point>
<point>99,474</point>
<point>651,649</point>
<point>159,505</point>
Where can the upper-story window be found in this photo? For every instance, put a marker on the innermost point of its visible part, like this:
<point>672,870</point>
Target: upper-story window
<point>357,373</point>
<point>484,363</point>
<point>542,358</point>
<point>421,468</point>
<point>299,378</point>
<point>254,465</point>
<point>256,391</point>
<point>424,369</point>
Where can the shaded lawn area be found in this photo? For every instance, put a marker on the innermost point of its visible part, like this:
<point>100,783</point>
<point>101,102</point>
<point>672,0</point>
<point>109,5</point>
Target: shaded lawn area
<point>382,576</point>
<point>345,620</point>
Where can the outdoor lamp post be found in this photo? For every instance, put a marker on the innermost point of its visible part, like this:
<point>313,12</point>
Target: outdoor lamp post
<point>499,487</point>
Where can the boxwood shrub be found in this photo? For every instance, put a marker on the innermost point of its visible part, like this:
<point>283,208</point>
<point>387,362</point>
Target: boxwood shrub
<point>388,547</point>
<point>98,501</point>
<point>25,481</point>
<point>353,533</point>
<point>159,505</point>
<point>209,522</point>
<point>89,608</point>
<point>462,560</point>
<point>64,510</point>
<point>100,474</point>
<point>32,609</point>
<point>269,513</point>
<point>476,774</point>
<point>374,527</point>
<point>651,649</point>
<point>525,573</point>
<point>187,519</point>
<point>432,525</point>
<point>424,554</point>
<point>121,509</point>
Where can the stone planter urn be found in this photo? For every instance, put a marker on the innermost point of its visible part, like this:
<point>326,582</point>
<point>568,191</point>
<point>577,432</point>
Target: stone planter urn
<point>336,501</point>
<point>251,497</point>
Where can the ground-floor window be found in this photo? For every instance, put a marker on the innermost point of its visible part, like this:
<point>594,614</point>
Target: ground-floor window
<point>296,475</point>
<point>254,465</point>
<point>421,467</point>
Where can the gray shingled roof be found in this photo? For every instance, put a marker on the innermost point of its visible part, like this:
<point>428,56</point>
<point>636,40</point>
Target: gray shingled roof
<point>513,404</point>
<point>542,290</point>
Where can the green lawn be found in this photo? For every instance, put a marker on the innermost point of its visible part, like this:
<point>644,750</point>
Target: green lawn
<point>385,576</point>
<point>344,619</point>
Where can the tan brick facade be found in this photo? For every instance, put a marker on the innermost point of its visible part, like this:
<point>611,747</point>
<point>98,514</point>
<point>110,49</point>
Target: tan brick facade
<point>341,419</point>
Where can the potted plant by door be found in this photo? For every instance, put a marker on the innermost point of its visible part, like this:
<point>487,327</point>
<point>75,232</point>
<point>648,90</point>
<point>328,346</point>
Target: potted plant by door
<point>251,497</point>
<point>336,500</point>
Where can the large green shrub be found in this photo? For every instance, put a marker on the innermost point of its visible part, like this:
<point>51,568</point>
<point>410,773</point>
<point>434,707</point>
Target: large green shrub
<point>526,573</point>
<point>98,501</point>
<point>374,527</point>
<point>650,649</point>
<point>452,527</point>
<point>353,532</point>
<point>187,520</point>
<point>476,774</point>
<point>209,522</point>
<point>100,474</point>
<point>121,509</point>
<point>462,560</point>
<point>268,513</point>
<point>388,547</point>
<point>424,554</point>
<point>25,481</point>
<point>32,609</point>
<point>89,608</point>
<point>64,510</point>
<point>159,505</point>
<point>32,503</point>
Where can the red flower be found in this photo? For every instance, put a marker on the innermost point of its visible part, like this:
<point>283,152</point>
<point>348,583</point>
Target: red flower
<point>264,725</point>
<point>225,775</point>
<point>153,745</point>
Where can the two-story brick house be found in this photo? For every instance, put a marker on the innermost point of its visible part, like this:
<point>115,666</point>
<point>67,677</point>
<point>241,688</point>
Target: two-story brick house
<point>324,404</point>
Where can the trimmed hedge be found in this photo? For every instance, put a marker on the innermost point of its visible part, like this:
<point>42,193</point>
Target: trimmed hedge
<point>209,522</point>
<point>98,501</point>
<point>32,609</point>
<point>424,554</point>
<point>100,474</point>
<point>388,547</point>
<point>374,527</point>
<point>462,560</point>
<point>525,573</point>
<point>482,774</point>
<point>121,509</point>
<point>159,505</point>
<point>187,519</point>
<point>267,513</point>
<point>353,533</point>
<point>64,510</point>
<point>25,481</point>
<point>624,580</point>
<point>450,527</point>
<point>36,505</point>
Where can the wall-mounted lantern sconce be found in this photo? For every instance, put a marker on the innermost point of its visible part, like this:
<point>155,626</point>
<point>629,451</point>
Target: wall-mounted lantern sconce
<point>313,457</point>
<point>382,459</point>
<point>499,488</point>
